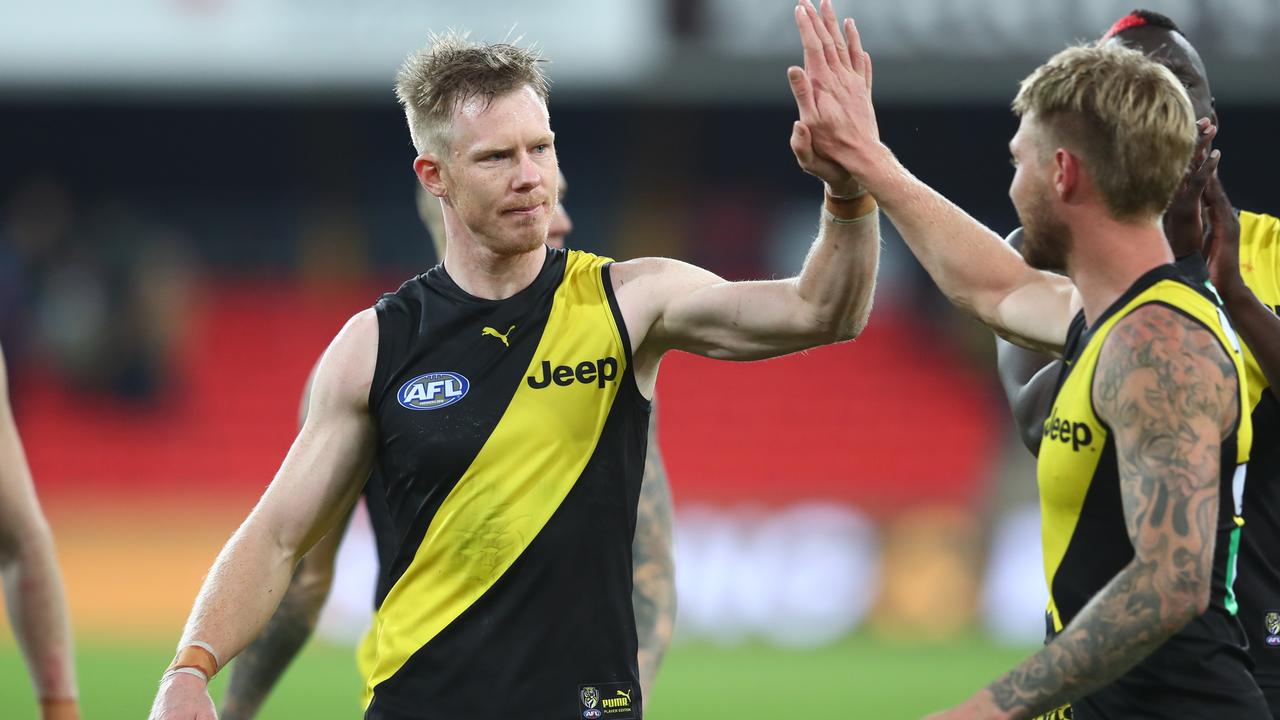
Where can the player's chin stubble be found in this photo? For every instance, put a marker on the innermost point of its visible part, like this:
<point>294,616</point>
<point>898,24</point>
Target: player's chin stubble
<point>1046,239</point>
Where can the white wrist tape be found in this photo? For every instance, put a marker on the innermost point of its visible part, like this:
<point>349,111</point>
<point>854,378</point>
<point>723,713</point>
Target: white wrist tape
<point>849,221</point>
<point>203,646</point>
<point>854,196</point>
<point>195,672</point>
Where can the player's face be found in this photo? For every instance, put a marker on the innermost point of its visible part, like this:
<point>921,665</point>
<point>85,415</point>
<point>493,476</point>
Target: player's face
<point>561,225</point>
<point>1174,52</point>
<point>1046,239</point>
<point>502,174</point>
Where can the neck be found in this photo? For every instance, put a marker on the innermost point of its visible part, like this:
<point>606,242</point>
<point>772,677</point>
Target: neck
<point>1108,256</point>
<point>485,274</point>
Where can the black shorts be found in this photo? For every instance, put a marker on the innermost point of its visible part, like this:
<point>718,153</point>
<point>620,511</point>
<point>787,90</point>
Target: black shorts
<point>1202,673</point>
<point>1273,700</point>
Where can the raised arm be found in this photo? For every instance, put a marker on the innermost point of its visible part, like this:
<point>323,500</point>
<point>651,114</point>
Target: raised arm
<point>1169,393</point>
<point>969,263</point>
<point>1258,325</point>
<point>653,590</point>
<point>313,490</point>
<point>32,584</point>
<point>971,266</point>
<point>673,305</point>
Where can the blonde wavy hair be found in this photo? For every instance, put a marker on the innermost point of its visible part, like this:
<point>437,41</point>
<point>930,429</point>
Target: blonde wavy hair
<point>1124,115</point>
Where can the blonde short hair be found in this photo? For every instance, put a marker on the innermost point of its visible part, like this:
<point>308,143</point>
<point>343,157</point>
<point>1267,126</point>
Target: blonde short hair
<point>1126,116</point>
<point>452,70</point>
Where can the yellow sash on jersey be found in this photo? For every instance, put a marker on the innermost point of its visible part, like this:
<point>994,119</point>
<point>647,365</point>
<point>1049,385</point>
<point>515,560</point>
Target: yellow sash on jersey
<point>521,475</point>
<point>1074,436</point>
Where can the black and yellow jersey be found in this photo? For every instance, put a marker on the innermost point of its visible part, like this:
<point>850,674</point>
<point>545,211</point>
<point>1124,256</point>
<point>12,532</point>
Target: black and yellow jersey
<point>1203,669</point>
<point>1258,587</point>
<point>510,448</point>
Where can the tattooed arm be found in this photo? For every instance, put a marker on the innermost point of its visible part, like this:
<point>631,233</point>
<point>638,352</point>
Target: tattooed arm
<point>1169,393</point>
<point>654,584</point>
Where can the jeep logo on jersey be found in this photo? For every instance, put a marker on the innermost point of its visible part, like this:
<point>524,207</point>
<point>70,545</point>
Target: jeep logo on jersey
<point>599,372</point>
<point>1066,431</point>
<point>433,391</point>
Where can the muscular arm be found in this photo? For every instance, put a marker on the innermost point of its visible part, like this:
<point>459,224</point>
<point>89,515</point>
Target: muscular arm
<point>257,670</point>
<point>1169,393</point>
<point>32,583</point>
<point>971,266</point>
<point>669,304</point>
<point>261,665</point>
<point>314,489</point>
<point>653,592</point>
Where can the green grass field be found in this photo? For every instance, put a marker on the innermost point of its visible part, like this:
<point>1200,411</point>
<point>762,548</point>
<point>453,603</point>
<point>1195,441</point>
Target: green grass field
<point>862,677</point>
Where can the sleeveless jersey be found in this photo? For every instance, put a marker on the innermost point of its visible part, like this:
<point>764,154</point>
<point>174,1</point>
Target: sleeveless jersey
<point>1203,668</point>
<point>511,440</point>
<point>1258,586</point>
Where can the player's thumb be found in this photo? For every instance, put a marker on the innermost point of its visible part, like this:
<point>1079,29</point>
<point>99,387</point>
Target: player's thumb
<point>801,142</point>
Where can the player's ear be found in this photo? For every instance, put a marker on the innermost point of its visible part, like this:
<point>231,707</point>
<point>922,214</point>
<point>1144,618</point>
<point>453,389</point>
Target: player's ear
<point>430,172</point>
<point>1066,174</point>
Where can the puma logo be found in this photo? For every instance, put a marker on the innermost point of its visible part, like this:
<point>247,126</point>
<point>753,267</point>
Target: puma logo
<point>501,336</point>
<point>621,702</point>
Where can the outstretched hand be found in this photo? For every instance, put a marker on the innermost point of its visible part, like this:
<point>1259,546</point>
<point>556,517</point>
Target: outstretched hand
<point>837,128</point>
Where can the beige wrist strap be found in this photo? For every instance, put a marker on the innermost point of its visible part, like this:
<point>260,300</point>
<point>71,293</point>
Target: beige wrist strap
<point>198,656</point>
<point>59,709</point>
<point>848,210</point>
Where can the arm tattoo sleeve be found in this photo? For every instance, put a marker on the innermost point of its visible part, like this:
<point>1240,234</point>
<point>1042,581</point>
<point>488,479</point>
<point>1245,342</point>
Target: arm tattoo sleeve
<point>654,589</point>
<point>1169,393</point>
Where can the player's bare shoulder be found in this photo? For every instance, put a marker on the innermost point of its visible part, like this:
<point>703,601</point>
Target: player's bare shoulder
<point>345,371</point>
<point>1159,367</point>
<point>639,281</point>
<point>645,286</point>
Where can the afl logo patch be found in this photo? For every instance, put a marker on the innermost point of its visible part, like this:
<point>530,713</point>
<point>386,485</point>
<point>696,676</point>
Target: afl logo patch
<point>433,391</point>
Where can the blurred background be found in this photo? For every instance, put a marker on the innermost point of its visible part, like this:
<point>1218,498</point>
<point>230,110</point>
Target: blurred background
<point>196,194</point>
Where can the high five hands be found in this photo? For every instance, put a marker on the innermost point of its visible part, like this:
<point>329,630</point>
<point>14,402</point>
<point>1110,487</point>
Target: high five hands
<point>836,134</point>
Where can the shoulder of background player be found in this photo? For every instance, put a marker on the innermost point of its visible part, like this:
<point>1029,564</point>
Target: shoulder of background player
<point>1260,255</point>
